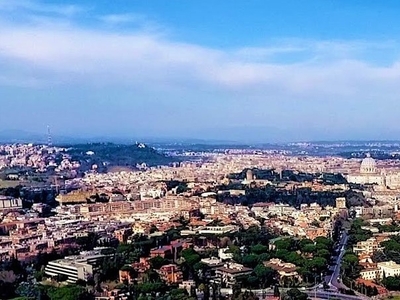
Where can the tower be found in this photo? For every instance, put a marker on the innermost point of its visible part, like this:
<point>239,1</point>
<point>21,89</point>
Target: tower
<point>49,139</point>
<point>249,175</point>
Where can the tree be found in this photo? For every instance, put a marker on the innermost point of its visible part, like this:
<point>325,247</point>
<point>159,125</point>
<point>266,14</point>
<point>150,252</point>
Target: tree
<point>265,275</point>
<point>69,292</point>
<point>284,244</point>
<point>250,260</point>
<point>157,262</point>
<point>27,290</point>
<point>277,293</point>
<point>179,294</point>
<point>392,283</point>
<point>309,248</point>
<point>324,241</point>
<point>191,257</point>
<point>324,253</point>
<point>295,294</point>
<point>259,249</point>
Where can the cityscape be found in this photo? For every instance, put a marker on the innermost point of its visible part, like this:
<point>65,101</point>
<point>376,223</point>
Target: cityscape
<point>186,150</point>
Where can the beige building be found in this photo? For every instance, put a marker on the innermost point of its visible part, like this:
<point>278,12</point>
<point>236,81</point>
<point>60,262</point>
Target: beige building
<point>388,268</point>
<point>370,174</point>
<point>341,203</point>
<point>367,247</point>
<point>383,269</point>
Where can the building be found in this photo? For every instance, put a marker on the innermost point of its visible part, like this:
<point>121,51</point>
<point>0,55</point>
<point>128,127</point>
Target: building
<point>370,274</point>
<point>10,203</point>
<point>76,267</point>
<point>380,270</point>
<point>217,229</point>
<point>368,247</point>
<point>388,269</point>
<point>228,274</point>
<point>73,270</point>
<point>171,274</point>
<point>286,271</point>
<point>370,174</point>
<point>341,203</point>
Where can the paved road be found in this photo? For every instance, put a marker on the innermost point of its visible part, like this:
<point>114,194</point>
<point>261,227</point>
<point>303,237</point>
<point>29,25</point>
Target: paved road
<point>332,280</point>
<point>311,294</point>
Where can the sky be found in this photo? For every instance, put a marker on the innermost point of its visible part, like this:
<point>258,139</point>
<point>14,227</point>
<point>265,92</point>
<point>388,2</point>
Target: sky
<point>254,70</point>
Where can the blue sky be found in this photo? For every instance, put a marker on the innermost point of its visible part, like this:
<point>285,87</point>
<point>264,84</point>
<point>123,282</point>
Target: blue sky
<point>239,70</point>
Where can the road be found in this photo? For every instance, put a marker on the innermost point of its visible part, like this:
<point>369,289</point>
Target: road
<point>312,294</point>
<point>332,280</point>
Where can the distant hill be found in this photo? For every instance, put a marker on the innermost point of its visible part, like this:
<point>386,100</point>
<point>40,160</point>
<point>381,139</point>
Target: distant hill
<point>107,155</point>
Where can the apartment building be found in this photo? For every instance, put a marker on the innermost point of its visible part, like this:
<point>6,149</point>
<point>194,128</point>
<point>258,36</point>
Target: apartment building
<point>76,267</point>
<point>383,269</point>
<point>228,274</point>
<point>171,274</point>
<point>73,270</point>
<point>367,247</point>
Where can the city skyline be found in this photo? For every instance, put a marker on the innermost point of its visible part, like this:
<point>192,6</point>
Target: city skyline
<point>266,71</point>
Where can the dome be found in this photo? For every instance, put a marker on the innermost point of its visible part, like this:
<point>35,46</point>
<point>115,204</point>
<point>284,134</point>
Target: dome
<point>368,165</point>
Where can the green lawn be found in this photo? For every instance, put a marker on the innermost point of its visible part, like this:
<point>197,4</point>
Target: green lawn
<point>393,298</point>
<point>9,183</point>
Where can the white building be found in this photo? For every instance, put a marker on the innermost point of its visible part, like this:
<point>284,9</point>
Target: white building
<point>73,270</point>
<point>10,203</point>
<point>217,229</point>
<point>389,268</point>
<point>76,267</point>
<point>370,174</point>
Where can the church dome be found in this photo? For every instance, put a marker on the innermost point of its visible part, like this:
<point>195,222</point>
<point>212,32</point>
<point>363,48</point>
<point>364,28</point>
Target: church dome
<point>368,165</point>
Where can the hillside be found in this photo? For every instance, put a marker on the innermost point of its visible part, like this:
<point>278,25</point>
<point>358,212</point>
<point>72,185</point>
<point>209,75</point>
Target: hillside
<point>107,155</point>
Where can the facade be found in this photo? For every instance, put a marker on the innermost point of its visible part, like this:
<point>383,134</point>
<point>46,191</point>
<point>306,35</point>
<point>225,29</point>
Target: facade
<point>171,274</point>
<point>389,268</point>
<point>76,267</point>
<point>383,269</point>
<point>370,274</point>
<point>368,247</point>
<point>370,174</point>
<point>228,274</point>
<point>71,269</point>
<point>341,203</point>
<point>217,229</point>
<point>286,271</point>
<point>10,203</point>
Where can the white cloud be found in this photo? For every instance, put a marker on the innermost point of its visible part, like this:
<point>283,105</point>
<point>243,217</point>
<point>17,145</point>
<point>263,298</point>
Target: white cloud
<point>123,18</point>
<point>68,53</point>
<point>39,7</point>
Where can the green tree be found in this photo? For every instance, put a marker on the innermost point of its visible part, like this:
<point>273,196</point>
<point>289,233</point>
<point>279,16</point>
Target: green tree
<point>295,294</point>
<point>157,262</point>
<point>259,249</point>
<point>191,257</point>
<point>392,283</point>
<point>265,275</point>
<point>69,292</point>
<point>309,248</point>
<point>250,260</point>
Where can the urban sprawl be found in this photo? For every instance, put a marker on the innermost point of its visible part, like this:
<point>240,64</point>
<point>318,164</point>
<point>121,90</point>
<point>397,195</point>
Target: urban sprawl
<point>231,224</point>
